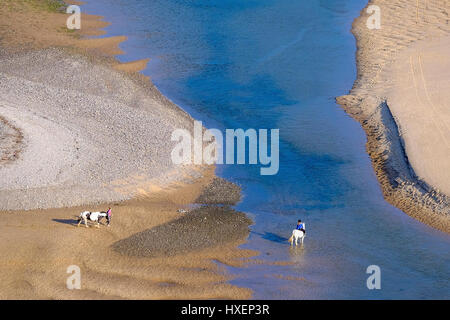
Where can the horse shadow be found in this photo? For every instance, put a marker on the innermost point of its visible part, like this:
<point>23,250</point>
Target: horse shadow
<point>72,222</point>
<point>272,237</point>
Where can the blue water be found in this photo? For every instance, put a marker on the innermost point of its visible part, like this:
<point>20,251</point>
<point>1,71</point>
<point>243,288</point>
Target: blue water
<point>280,64</point>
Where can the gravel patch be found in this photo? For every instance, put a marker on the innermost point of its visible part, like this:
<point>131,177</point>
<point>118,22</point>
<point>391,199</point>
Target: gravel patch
<point>220,191</point>
<point>91,134</point>
<point>201,228</point>
<point>11,140</point>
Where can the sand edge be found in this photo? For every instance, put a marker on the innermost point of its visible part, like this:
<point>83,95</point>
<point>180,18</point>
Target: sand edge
<point>400,185</point>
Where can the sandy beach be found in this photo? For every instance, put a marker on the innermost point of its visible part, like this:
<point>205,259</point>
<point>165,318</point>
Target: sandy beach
<point>401,99</point>
<point>81,131</point>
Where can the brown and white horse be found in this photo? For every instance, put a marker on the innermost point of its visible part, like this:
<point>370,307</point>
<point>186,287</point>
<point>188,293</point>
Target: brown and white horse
<point>93,216</point>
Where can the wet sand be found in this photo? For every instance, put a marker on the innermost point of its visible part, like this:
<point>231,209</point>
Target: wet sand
<point>400,97</point>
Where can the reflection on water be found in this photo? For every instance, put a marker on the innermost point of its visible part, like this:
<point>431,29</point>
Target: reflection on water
<point>297,254</point>
<point>279,64</point>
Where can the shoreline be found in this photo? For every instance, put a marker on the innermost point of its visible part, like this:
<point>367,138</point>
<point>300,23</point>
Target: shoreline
<point>73,54</point>
<point>42,244</point>
<point>377,101</point>
<point>153,189</point>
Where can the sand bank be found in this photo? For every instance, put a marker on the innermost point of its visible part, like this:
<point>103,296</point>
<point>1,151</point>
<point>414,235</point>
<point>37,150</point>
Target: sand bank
<point>81,131</point>
<point>38,246</point>
<point>401,99</point>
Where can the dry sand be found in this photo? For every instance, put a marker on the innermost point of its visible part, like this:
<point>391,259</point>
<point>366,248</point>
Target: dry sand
<point>420,102</point>
<point>401,99</point>
<point>78,127</point>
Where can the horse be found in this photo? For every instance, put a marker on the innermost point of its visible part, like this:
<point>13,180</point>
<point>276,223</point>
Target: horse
<point>296,235</point>
<point>93,216</point>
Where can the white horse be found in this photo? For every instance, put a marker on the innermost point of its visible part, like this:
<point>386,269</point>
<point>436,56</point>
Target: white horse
<point>297,235</point>
<point>93,216</point>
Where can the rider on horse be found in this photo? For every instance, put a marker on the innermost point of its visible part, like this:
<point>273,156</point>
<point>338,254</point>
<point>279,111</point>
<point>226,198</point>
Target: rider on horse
<point>300,226</point>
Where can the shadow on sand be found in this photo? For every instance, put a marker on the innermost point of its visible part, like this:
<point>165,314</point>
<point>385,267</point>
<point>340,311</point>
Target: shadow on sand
<point>72,222</point>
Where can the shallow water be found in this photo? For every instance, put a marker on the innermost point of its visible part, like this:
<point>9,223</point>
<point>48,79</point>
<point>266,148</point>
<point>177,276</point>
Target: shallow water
<point>279,64</point>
